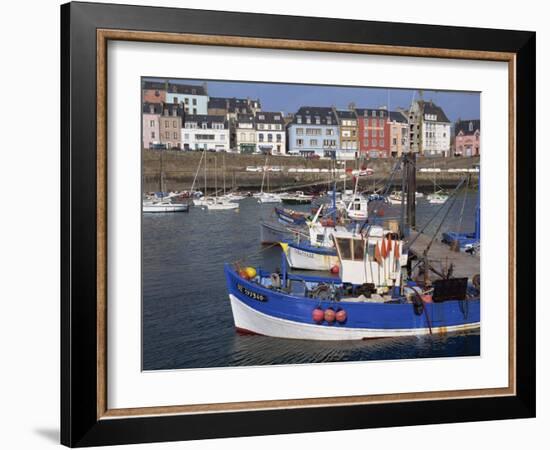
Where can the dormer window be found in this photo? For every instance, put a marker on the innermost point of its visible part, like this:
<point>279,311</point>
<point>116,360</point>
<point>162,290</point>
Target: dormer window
<point>261,117</point>
<point>308,119</point>
<point>277,117</point>
<point>317,120</point>
<point>373,113</point>
<point>471,127</point>
<point>193,91</point>
<point>204,125</point>
<point>298,119</point>
<point>329,120</point>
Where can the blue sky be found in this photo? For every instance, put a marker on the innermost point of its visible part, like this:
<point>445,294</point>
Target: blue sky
<point>289,97</point>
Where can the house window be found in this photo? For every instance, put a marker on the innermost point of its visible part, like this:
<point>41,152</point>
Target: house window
<point>366,133</point>
<point>381,133</point>
<point>186,136</point>
<point>279,137</point>
<point>175,124</point>
<point>373,143</point>
<point>329,132</point>
<point>260,126</point>
<point>269,137</point>
<point>298,119</point>
<point>261,137</point>
<point>151,123</point>
<point>175,99</point>
<point>166,124</point>
<point>313,142</point>
<point>299,131</point>
<point>175,135</point>
<point>317,120</point>
<point>167,134</point>
<point>373,113</point>
<point>194,101</point>
<point>329,120</point>
<point>374,133</point>
<point>186,100</point>
<point>299,142</point>
<point>308,119</point>
<point>194,111</point>
<point>152,135</point>
<point>204,125</point>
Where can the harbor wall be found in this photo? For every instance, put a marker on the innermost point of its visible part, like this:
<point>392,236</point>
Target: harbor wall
<point>180,169</point>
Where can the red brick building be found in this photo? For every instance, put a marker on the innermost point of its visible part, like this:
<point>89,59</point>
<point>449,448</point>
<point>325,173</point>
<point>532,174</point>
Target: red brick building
<point>153,92</point>
<point>374,132</point>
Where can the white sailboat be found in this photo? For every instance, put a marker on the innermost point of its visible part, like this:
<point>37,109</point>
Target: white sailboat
<point>438,197</point>
<point>267,197</point>
<point>219,203</point>
<point>163,204</point>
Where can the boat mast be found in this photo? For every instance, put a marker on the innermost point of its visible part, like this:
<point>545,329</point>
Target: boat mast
<point>263,176</point>
<point>204,153</point>
<point>223,168</point>
<point>216,176</point>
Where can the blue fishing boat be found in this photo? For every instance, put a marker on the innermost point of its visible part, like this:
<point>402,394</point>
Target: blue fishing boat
<point>371,298</point>
<point>291,217</point>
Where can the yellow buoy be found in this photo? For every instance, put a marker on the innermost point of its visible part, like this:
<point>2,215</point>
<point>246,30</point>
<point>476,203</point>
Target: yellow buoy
<point>250,272</point>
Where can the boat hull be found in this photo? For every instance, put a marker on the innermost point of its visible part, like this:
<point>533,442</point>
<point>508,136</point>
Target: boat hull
<point>271,313</point>
<point>299,257</point>
<point>176,207</point>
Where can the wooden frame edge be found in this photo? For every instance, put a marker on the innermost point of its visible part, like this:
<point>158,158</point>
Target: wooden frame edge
<point>103,36</point>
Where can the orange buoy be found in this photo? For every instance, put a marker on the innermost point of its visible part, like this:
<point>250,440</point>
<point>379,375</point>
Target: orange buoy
<point>317,315</point>
<point>243,274</point>
<point>341,316</point>
<point>427,298</point>
<point>330,315</point>
<point>335,269</point>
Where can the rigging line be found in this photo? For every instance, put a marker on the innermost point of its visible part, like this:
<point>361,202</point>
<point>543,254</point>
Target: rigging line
<point>441,223</point>
<point>436,214</point>
<point>463,205</point>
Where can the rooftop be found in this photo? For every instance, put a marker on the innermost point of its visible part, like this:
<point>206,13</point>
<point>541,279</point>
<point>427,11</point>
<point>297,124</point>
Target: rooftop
<point>467,127</point>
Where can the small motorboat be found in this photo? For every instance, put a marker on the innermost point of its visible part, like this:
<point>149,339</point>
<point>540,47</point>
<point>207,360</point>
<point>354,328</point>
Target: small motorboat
<point>298,198</point>
<point>163,206</point>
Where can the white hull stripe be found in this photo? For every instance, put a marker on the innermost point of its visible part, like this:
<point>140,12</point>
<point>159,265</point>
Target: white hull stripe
<point>247,318</point>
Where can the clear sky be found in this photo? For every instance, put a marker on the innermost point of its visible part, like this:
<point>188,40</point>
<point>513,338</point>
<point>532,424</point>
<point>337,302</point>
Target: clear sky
<point>289,97</point>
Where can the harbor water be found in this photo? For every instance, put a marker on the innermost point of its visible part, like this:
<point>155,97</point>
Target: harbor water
<point>187,321</point>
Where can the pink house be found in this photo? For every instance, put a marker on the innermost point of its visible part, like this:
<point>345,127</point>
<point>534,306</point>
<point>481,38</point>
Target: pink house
<point>151,124</point>
<point>467,133</point>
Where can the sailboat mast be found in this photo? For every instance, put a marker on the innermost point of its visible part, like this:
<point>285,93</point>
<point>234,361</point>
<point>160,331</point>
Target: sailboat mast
<point>204,153</point>
<point>223,168</point>
<point>216,175</point>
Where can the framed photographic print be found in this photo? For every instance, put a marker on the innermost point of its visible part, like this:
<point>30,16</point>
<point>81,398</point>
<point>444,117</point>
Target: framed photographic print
<point>277,224</point>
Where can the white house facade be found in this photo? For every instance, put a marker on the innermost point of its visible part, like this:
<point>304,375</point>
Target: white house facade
<point>193,98</point>
<point>204,132</point>
<point>270,133</point>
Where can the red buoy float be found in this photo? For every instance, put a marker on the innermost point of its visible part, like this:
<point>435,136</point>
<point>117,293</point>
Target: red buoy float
<point>341,316</point>
<point>317,315</point>
<point>330,315</point>
<point>335,269</point>
<point>243,274</point>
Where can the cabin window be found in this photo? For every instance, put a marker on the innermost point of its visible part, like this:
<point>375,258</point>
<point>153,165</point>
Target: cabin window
<point>358,249</point>
<point>320,238</point>
<point>345,247</point>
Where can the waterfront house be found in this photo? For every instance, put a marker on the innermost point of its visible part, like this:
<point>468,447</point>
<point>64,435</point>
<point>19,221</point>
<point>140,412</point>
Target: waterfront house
<point>193,97</point>
<point>205,132</point>
<point>374,132</point>
<point>429,129</point>
<point>467,134</point>
<point>245,134</point>
<point>151,124</point>
<point>349,134</point>
<point>270,133</point>
<point>399,133</point>
<point>153,92</point>
<point>314,131</point>
<point>171,120</point>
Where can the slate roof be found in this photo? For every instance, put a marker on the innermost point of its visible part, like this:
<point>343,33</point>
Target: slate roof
<point>269,117</point>
<point>464,126</point>
<point>169,108</point>
<point>322,112</point>
<point>432,108</point>
<point>189,89</point>
<point>398,116</point>
<point>245,118</point>
<point>217,102</point>
<point>346,114</point>
<point>380,113</point>
<point>208,118</point>
<point>153,85</point>
<point>157,108</point>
